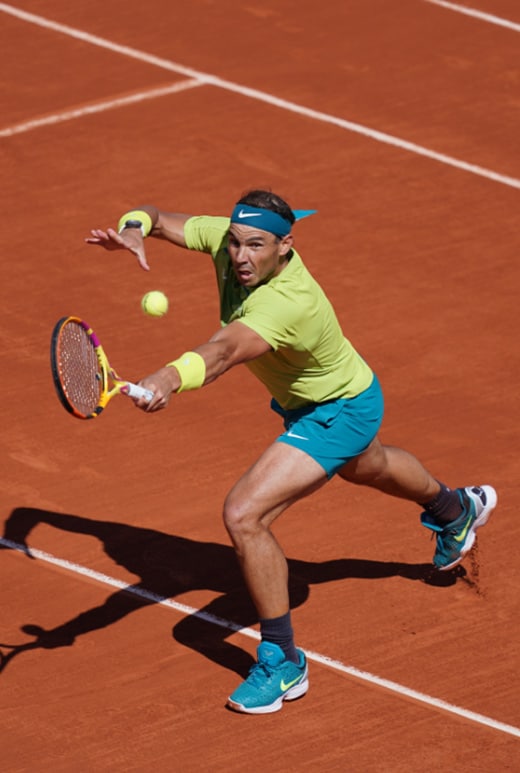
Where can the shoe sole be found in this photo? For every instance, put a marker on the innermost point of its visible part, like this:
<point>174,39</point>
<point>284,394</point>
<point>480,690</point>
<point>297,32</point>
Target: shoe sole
<point>294,692</point>
<point>491,496</point>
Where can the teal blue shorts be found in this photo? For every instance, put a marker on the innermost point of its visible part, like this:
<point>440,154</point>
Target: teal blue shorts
<point>336,431</point>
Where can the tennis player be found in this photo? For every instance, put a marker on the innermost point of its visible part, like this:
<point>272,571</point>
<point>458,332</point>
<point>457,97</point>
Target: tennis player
<point>277,320</point>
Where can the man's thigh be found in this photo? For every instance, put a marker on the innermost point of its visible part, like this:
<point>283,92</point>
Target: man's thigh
<point>282,475</point>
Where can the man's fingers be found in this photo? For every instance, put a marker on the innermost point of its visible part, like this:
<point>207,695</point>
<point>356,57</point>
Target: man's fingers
<point>112,240</point>
<point>142,261</point>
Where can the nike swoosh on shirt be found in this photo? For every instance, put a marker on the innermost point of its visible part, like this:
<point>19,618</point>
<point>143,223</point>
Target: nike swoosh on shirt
<point>243,214</point>
<point>293,434</point>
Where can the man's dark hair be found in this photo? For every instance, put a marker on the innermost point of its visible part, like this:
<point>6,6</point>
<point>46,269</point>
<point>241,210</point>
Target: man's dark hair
<point>268,200</point>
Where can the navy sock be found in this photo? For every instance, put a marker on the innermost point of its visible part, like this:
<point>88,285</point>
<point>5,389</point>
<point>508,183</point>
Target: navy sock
<point>445,506</point>
<point>278,630</point>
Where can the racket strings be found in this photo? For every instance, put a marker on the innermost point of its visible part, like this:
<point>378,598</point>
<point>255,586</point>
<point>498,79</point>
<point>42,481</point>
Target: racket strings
<point>80,374</point>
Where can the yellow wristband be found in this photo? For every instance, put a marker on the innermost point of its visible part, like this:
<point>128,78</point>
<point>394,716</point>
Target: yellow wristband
<point>139,215</point>
<point>192,370</point>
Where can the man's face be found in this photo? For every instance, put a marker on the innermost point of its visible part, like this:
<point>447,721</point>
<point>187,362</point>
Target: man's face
<point>256,255</point>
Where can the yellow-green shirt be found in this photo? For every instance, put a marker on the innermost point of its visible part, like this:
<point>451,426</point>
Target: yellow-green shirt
<point>311,360</point>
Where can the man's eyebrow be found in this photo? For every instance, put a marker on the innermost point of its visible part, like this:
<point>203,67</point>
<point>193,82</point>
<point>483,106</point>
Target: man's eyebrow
<point>252,238</point>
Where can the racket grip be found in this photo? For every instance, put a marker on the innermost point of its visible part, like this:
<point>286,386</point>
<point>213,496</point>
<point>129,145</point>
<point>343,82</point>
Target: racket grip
<point>132,390</point>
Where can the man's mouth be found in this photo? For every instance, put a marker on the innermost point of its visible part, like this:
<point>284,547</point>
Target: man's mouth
<point>243,273</point>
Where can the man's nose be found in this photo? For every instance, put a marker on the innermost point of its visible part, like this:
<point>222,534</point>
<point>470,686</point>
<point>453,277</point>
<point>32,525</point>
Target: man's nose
<point>242,254</point>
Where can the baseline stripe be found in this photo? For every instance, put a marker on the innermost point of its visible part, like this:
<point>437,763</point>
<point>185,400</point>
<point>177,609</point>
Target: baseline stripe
<point>336,665</point>
<point>488,17</point>
<point>261,96</point>
<point>98,107</point>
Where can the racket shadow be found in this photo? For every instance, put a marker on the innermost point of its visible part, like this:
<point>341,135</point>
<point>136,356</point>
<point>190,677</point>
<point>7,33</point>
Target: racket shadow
<point>170,565</point>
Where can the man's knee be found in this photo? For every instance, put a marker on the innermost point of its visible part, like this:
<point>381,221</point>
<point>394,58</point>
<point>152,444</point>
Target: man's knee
<point>237,515</point>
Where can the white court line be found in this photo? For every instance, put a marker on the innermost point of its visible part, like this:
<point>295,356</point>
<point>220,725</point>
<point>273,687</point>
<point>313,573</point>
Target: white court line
<point>99,107</point>
<point>261,96</point>
<point>510,25</point>
<point>252,634</point>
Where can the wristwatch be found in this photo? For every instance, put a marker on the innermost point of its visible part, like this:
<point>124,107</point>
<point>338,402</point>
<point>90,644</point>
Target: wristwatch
<point>133,224</point>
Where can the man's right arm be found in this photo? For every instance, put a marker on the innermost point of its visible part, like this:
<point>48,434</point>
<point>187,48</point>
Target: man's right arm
<point>167,225</point>
<point>162,225</point>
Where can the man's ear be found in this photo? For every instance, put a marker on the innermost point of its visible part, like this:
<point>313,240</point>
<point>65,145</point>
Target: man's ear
<point>286,244</point>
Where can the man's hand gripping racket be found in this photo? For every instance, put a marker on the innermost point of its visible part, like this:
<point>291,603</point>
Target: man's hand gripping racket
<point>84,379</point>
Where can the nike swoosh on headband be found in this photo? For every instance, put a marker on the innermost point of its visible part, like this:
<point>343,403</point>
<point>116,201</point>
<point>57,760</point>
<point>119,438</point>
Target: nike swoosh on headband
<point>243,214</point>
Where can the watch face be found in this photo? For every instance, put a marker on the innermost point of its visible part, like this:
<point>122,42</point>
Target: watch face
<point>133,224</point>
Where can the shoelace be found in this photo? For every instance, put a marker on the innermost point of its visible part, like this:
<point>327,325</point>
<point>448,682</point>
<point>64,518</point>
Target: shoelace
<point>258,671</point>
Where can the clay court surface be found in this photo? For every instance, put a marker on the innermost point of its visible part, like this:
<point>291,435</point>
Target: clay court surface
<point>124,622</point>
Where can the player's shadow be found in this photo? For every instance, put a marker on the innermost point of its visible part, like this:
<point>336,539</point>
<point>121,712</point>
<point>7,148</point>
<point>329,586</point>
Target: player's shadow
<point>170,565</point>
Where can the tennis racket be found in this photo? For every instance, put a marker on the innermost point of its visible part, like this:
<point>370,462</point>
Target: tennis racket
<point>84,379</point>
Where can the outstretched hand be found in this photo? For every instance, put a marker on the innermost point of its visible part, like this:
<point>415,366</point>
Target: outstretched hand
<point>130,239</point>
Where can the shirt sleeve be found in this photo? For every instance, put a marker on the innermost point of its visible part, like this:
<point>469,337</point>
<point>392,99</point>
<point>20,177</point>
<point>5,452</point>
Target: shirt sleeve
<point>205,234</point>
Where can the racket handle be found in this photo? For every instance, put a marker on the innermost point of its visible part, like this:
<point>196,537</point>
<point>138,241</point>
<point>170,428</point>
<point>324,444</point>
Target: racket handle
<point>132,390</point>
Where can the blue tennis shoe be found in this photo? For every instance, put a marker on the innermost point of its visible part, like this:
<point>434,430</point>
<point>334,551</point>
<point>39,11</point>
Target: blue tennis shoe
<point>456,538</point>
<point>272,680</point>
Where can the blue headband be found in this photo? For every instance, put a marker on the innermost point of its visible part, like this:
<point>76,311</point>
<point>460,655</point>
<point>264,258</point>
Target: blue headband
<point>266,219</point>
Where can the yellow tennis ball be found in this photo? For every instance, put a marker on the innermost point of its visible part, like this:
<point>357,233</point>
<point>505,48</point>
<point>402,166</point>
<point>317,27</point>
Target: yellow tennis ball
<point>154,303</point>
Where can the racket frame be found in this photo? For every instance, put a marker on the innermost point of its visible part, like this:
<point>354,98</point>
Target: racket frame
<point>107,372</point>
